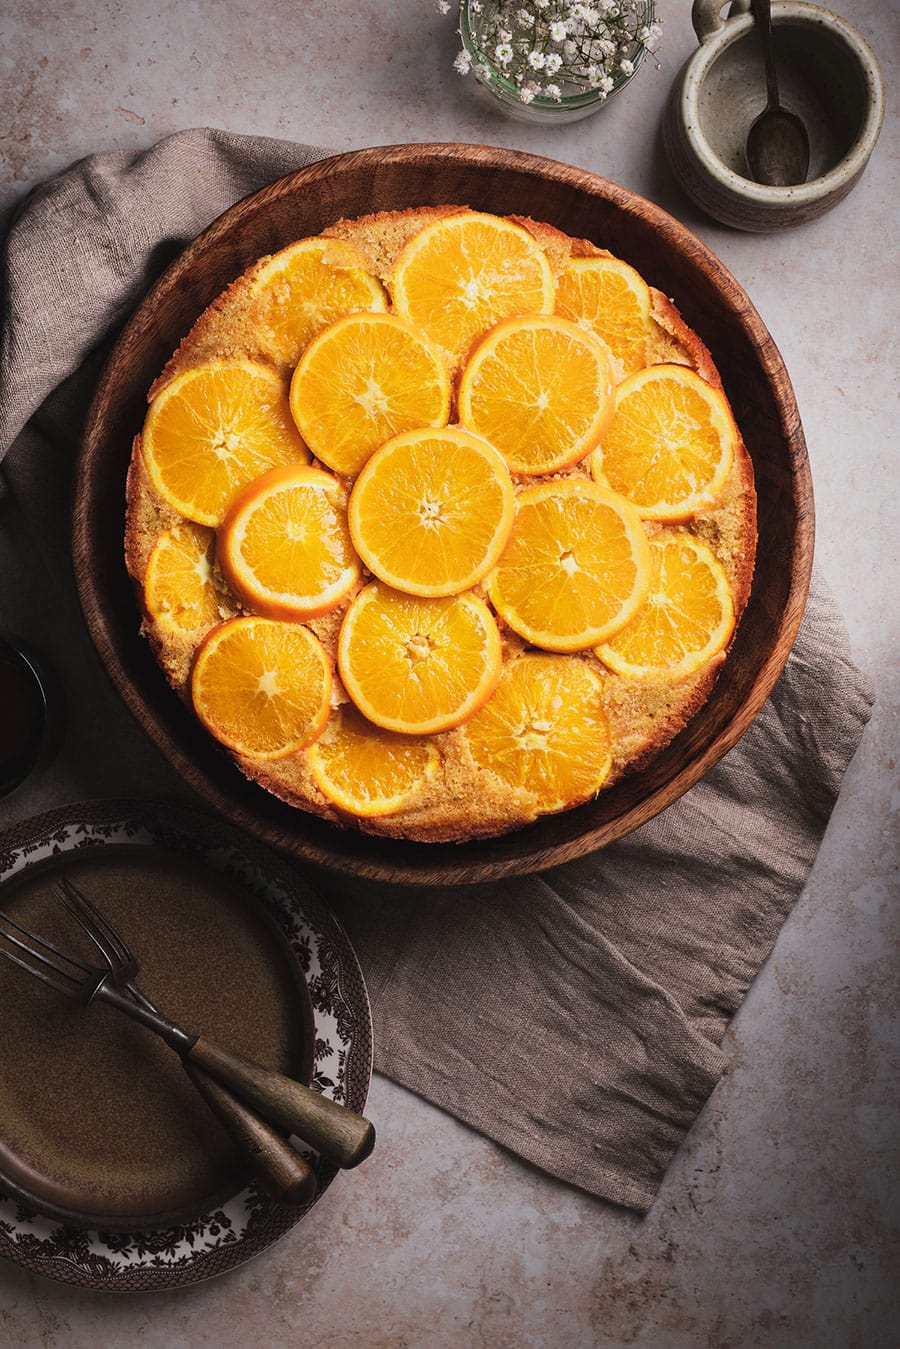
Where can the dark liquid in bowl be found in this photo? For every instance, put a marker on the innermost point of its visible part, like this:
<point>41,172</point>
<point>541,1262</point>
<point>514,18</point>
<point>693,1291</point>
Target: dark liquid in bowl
<point>22,718</point>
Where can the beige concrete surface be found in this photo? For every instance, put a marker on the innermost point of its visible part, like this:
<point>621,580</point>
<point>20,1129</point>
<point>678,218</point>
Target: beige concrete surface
<point>776,1225</point>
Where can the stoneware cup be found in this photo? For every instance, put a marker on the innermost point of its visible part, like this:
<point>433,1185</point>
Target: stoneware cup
<point>827,74</point>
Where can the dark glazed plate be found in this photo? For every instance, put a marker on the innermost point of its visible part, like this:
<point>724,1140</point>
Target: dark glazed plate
<point>505,182</point>
<point>113,1173</point>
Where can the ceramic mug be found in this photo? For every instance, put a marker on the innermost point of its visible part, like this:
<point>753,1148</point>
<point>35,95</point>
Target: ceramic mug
<point>827,73</point>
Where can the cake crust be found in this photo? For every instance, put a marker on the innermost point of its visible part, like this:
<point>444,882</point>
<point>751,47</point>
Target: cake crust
<point>463,801</point>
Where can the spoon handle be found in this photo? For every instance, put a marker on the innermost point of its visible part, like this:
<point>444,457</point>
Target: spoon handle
<point>286,1174</point>
<point>762,13</point>
<point>332,1129</point>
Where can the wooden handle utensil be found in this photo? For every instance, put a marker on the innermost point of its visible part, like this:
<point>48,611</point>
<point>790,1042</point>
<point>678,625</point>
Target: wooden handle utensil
<point>332,1129</point>
<point>286,1174</point>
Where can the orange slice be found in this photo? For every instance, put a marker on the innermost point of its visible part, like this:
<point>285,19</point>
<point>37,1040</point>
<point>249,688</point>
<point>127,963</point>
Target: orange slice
<point>305,287</point>
<point>261,687</point>
<point>418,666</point>
<point>180,590</point>
<point>431,511</point>
<point>686,619</point>
<point>285,548</point>
<point>609,298</point>
<point>368,771</point>
<point>576,569</point>
<point>670,445</point>
<point>363,380</point>
<point>213,429</point>
<point>544,730</point>
<point>460,275</point>
<point>541,390</point>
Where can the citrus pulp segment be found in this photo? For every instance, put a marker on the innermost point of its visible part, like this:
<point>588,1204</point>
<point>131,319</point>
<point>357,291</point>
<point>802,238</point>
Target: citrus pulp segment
<point>363,380</point>
<point>303,288</point>
<point>577,565</point>
<point>366,770</point>
<point>686,619</point>
<point>213,429</point>
<point>180,587</point>
<point>606,296</point>
<point>418,666</point>
<point>461,274</point>
<point>262,687</point>
<point>431,511</point>
<point>670,445</point>
<point>540,389</point>
<point>544,730</point>
<point>285,547</point>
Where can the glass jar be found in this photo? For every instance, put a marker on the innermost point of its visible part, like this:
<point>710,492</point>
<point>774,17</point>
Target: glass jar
<point>577,99</point>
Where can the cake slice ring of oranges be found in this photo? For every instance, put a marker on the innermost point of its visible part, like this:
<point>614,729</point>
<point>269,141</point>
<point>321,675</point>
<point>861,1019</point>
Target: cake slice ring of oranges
<point>441,521</point>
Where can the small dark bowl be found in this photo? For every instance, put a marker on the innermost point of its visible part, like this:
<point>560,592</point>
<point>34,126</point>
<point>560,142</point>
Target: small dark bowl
<point>27,714</point>
<point>504,182</point>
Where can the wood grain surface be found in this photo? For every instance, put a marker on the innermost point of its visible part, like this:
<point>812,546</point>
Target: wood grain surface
<point>504,182</point>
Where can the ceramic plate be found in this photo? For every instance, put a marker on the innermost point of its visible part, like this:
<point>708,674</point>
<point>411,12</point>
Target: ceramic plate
<point>213,1220</point>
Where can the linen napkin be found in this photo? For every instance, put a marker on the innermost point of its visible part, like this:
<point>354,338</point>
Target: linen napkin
<point>574,1017</point>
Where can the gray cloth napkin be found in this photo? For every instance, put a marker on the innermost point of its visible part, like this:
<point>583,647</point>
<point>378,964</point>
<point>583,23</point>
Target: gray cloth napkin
<point>574,1017</point>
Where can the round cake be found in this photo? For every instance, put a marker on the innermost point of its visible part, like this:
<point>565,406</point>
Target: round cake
<point>440,521</point>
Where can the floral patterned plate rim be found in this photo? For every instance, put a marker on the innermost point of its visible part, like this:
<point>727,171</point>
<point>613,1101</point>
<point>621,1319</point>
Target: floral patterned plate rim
<point>242,1227</point>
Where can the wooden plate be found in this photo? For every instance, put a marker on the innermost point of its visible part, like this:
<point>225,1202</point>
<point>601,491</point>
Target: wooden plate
<point>505,182</point>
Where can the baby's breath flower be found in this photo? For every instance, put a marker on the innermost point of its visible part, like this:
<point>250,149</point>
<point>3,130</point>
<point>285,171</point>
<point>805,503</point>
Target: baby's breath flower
<point>569,45</point>
<point>442,6</point>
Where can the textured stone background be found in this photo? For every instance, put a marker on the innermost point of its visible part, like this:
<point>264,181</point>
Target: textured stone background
<point>777,1223</point>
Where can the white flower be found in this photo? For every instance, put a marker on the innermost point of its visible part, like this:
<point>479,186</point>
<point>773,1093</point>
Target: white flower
<point>463,63</point>
<point>553,91</point>
<point>589,44</point>
<point>526,96</point>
